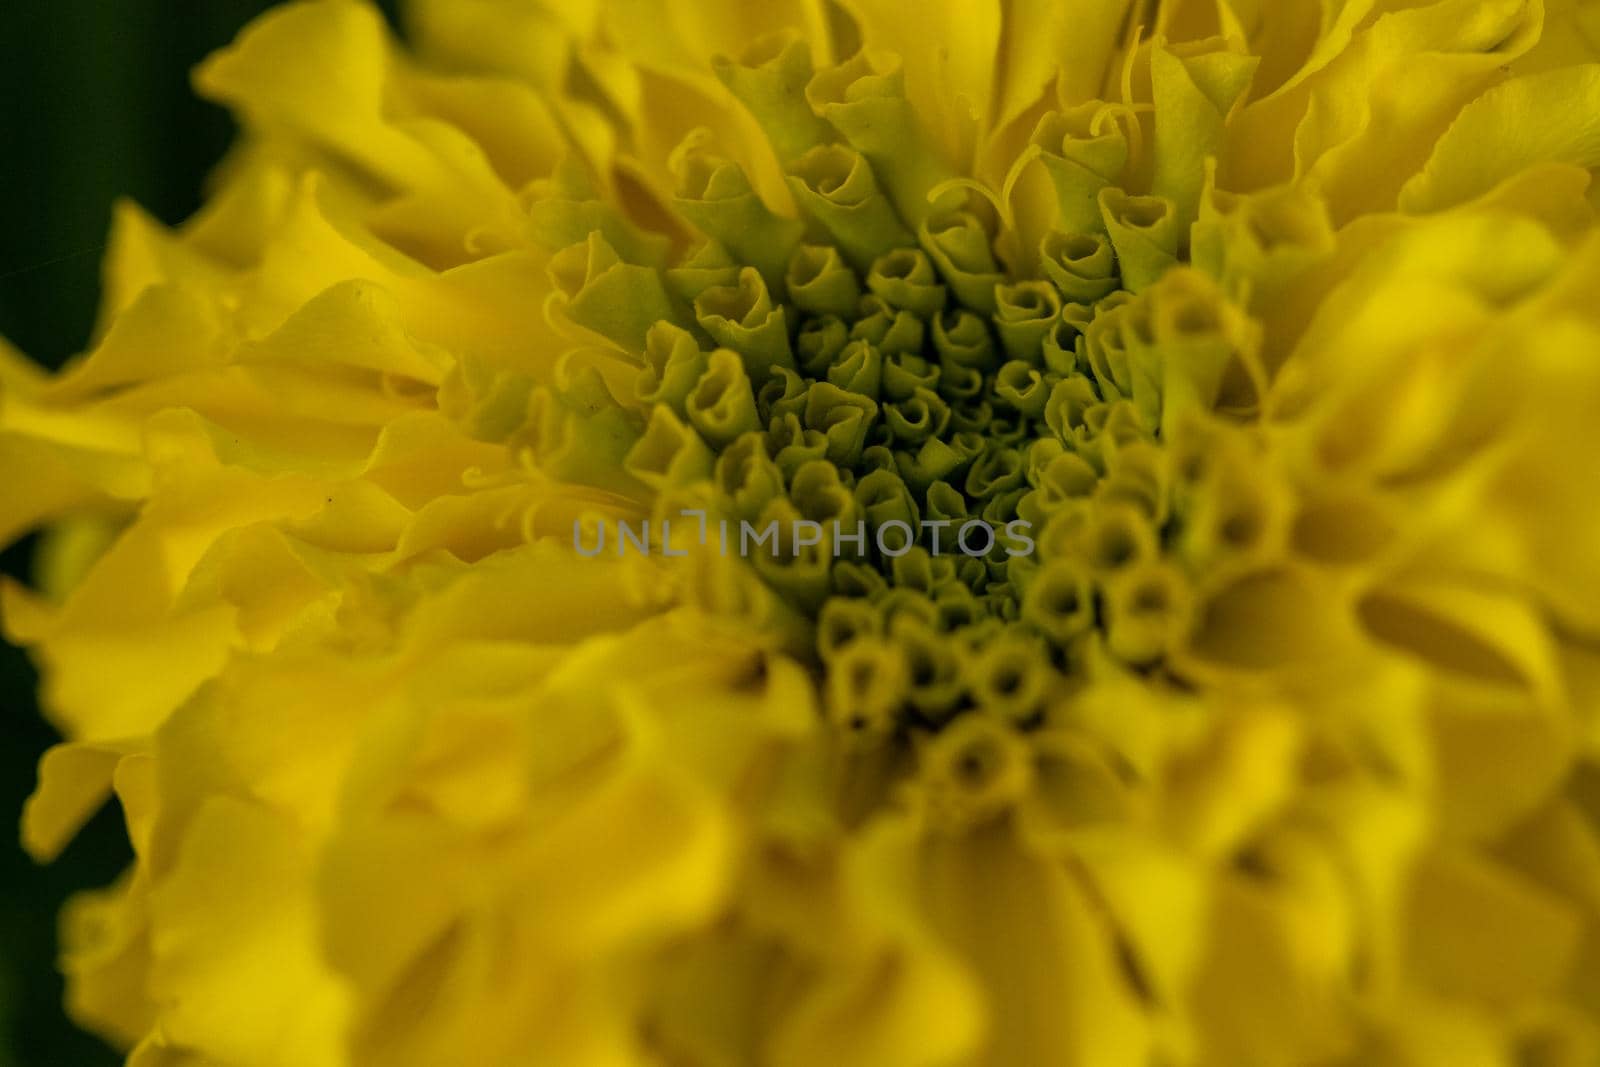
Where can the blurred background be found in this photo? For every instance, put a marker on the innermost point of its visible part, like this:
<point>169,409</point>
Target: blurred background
<point>95,104</point>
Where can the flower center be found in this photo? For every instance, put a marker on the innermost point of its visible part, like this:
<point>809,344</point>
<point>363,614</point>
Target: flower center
<point>973,482</point>
<point>926,479</point>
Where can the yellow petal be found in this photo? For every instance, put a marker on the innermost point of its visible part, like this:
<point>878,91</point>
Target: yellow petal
<point>1544,118</point>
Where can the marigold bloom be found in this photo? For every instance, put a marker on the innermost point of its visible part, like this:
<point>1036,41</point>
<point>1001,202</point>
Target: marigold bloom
<point>1260,337</point>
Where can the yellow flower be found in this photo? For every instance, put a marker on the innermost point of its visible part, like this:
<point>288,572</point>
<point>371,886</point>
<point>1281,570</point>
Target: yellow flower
<point>1117,480</point>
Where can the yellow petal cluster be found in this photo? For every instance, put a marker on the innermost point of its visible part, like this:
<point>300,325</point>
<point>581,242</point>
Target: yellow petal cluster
<point>1274,324</point>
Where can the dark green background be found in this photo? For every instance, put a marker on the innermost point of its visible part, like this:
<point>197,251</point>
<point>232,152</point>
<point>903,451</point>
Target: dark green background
<point>95,104</point>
